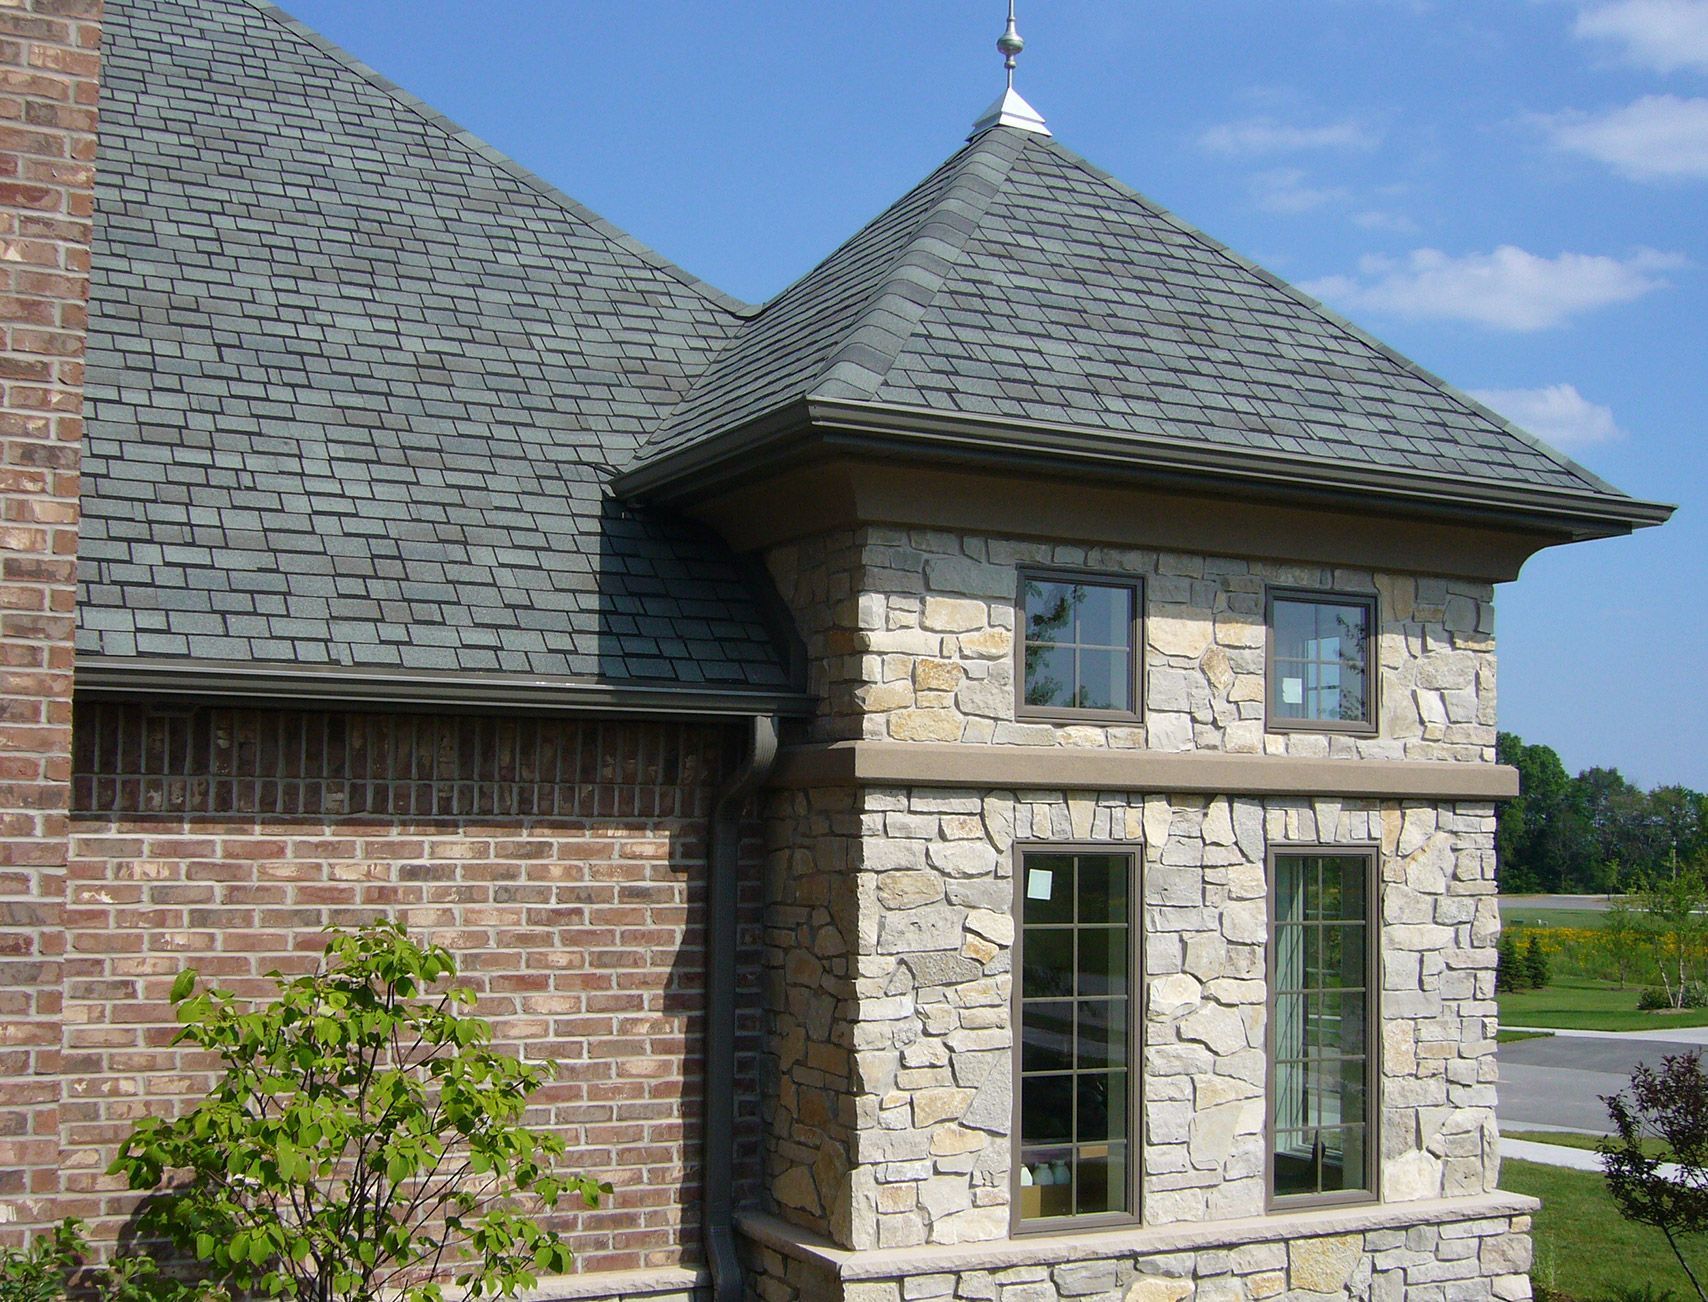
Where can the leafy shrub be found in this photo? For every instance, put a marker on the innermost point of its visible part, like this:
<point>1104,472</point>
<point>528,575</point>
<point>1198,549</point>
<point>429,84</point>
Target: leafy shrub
<point>1693,994</point>
<point>1670,1105</point>
<point>363,1133</point>
<point>42,1272</point>
<point>39,1271</point>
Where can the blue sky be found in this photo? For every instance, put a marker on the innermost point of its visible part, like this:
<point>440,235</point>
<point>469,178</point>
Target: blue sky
<point>1512,194</point>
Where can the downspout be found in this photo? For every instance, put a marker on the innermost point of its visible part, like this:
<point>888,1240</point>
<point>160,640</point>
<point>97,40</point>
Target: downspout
<point>723,854</point>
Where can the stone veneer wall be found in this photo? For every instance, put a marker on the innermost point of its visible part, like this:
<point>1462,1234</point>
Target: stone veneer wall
<point>890,981</point>
<point>1442,1259</point>
<point>562,861</point>
<point>911,637</point>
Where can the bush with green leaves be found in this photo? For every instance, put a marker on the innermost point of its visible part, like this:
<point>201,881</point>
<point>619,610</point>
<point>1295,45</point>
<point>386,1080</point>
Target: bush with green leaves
<point>363,1137</point>
<point>43,1270</point>
<point>1670,1192</point>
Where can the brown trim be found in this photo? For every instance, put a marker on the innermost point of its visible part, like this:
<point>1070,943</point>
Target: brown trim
<point>1135,656</point>
<point>806,500</point>
<point>757,448</point>
<point>1369,727</point>
<point>1372,856</point>
<point>1132,852</point>
<point>954,764</point>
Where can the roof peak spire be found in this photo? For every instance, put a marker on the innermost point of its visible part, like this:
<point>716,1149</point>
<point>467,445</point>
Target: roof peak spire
<point>1009,45</point>
<point>1010,110</point>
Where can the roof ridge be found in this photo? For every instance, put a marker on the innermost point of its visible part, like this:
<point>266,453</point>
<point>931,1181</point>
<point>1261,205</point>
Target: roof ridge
<point>949,171</point>
<point>930,251</point>
<point>1333,317</point>
<point>454,130</point>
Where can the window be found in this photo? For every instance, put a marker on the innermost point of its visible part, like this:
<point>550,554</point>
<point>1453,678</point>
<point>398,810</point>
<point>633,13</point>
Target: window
<point>1075,1012</point>
<point>1321,1023</point>
<point>1320,671</point>
<point>1079,647</point>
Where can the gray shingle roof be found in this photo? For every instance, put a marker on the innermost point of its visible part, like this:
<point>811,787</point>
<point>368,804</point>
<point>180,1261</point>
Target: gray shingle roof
<point>356,382</point>
<point>1019,282</point>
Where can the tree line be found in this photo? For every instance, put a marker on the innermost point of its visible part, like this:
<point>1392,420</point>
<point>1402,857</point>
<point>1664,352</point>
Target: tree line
<point>1593,833</point>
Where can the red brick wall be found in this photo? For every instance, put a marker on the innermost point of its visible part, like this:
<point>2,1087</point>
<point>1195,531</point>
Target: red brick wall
<point>48,67</point>
<point>563,862</point>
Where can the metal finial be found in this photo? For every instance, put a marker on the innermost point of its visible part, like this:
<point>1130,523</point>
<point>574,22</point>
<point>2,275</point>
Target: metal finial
<point>1010,110</point>
<point>1009,44</point>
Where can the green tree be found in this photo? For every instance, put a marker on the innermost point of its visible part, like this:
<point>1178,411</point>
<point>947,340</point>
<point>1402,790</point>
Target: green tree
<point>363,1135</point>
<point>1536,972</point>
<point>1509,964</point>
<point>1620,939</point>
<point>1672,914</point>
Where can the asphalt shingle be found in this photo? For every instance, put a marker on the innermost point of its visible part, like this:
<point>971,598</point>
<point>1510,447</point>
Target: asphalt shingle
<point>1020,282</point>
<point>356,382</point>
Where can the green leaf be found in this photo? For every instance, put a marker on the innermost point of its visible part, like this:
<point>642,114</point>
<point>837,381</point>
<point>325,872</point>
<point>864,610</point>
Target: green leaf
<point>183,985</point>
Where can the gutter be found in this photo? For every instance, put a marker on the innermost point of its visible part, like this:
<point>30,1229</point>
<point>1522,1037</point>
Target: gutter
<point>161,680</point>
<point>723,853</point>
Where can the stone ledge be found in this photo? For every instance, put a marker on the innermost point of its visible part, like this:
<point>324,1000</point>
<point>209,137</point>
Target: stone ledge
<point>662,1282</point>
<point>1057,1249</point>
<point>954,764</point>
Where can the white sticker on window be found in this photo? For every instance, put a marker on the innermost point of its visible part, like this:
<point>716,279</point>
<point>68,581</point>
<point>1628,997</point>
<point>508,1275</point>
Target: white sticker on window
<point>1292,691</point>
<point>1038,883</point>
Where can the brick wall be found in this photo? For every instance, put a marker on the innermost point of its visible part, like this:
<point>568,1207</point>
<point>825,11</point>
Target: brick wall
<point>563,862</point>
<point>48,67</point>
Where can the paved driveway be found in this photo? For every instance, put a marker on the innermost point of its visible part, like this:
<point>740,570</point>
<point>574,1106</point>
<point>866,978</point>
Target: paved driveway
<point>1558,1082</point>
<point>1594,903</point>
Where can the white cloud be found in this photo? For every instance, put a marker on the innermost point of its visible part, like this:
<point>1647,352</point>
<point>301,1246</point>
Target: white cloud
<point>1556,414</point>
<point>1657,137</point>
<point>1508,289</point>
<point>1268,136</point>
<point>1285,190</point>
<point>1665,35</point>
<point>1378,219</point>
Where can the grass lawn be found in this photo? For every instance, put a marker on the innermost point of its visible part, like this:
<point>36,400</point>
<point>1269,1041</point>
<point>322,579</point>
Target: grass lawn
<point>1512,1037</point>
<point>1517,915</point>
<point>1584,1004</point>
<point>1567,1139</point>
<point>1584,1247</point>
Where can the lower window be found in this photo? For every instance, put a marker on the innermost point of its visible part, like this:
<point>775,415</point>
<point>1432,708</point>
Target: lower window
<point>1320,1027</point>
<point>1075,1009</point>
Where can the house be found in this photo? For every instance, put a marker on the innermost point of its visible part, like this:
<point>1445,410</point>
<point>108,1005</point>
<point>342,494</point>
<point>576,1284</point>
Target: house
<point>979,771</point>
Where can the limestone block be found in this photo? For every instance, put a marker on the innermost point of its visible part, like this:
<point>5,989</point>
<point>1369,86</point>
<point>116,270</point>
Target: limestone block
<point>909,889</point>
<point>1156,1289</point>
<point>1187,636</point>
<point>1173,995</point>
<point>1324,1265</point>
<point>954,615</point>
<point>925,725</point>
<point>1221,1029</point>
<point>998,927</point>
<point>933,1105</point>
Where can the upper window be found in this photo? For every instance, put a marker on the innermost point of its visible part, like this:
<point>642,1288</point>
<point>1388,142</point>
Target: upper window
<point>1321,675</point>
<point>1321,1073</point>
<point>1075,1012</point>
<point>1079,646</point>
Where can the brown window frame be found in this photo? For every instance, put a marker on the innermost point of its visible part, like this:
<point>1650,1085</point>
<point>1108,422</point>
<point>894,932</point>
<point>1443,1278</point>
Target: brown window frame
<point>1367,727</point>
<point>1132,852</point>
<point>1068,713</point>
<point>1371,853</point>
